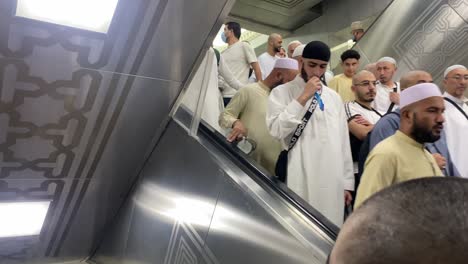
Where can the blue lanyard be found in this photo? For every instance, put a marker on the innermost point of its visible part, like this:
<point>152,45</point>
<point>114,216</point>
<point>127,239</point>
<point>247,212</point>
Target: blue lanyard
<point>319,99</point>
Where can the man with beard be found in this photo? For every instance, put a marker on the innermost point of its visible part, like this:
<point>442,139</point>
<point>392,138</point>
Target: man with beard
<point>239,57</point>
<point>319,166</point>
<point>387,90</point>
<point>360,114</point>
<point>246,113</point>
<point>403,157</point>
<point>456,82</point>
<point>268,58</point>
<point>389,124</point>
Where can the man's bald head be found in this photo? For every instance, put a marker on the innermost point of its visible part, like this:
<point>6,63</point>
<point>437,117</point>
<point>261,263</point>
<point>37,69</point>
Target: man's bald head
<point>372,67</point>
<point>363,86</point>
<point>414,77</point>
<point>275,41</point>
<point>419,221</point>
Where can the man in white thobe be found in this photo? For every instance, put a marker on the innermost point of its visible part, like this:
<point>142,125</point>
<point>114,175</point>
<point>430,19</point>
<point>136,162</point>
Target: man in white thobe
<point>388,91</point>
<point>320,167</point>
<point>267,59</point>
<point>456,116</point>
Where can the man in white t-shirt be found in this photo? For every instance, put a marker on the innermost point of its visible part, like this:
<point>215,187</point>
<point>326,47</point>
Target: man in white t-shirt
<point>239,56</point>
<point>388,91</point>
<point>267,59</point>
<point>360,114</point>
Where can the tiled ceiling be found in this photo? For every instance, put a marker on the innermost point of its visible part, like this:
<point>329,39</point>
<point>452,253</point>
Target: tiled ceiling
<point>282,16</point>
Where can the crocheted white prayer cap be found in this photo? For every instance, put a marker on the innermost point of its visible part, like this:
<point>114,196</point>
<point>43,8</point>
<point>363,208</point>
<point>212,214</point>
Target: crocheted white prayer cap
<point>387,59</point>
<point>298,51</point>
<point>418,93</point>
<point>453,67</point>
<point>286,63</point>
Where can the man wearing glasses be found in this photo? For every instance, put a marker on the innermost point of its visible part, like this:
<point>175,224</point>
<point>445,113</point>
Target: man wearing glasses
<point>360,114</point>
<point>456,114</point>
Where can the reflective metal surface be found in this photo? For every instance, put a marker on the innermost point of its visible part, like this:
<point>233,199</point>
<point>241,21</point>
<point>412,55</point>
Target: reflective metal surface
<point>194,204</point>
<point>80,111</point>
<point>420,34</point>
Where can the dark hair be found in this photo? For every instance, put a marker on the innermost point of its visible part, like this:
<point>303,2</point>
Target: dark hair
<point>417,221</point>
<point>235,27</point>
<point>350,54</point>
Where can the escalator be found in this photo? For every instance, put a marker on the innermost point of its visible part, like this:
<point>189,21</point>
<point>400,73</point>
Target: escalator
<point>203,200</point>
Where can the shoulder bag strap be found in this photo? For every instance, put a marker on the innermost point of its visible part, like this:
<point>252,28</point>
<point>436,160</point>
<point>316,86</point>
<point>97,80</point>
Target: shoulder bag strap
<point>457,106</point>
<point>305,119</point>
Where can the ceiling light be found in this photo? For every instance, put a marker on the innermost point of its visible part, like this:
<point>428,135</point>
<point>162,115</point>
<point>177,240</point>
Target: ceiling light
<point>94,15</point>
<point>22,218</point>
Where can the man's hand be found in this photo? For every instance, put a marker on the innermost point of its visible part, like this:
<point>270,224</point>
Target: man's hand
<point>348,197</point>
<point>312,86</point>
<point>440,160</point>
<point>238,131</point>
<point>362,121</point>
<point>395,98</point>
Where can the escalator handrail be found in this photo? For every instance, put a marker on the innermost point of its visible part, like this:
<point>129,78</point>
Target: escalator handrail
<point>260,174</point>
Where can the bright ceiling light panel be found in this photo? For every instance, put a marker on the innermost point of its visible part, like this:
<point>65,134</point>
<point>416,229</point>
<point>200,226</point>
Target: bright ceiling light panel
<point>22,218</point>
<point>94,15</point>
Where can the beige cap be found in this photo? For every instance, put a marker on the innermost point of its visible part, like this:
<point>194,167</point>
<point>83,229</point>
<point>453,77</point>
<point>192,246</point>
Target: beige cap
<point>356,25</point>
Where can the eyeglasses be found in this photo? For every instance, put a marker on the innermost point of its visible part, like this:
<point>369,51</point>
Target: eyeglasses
<point>366,83</point>
<point>459,77</point>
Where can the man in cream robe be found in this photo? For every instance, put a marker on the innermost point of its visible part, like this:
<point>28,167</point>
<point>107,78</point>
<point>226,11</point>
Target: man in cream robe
<point>403,157</point>
<point>456,128</point>
<point>246,112</point>
<point>320,167</point>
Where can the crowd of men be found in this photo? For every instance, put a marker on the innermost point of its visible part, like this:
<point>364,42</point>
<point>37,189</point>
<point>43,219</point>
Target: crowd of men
<point>336,145</point>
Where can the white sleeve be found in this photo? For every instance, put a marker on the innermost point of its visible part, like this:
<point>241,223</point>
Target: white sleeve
<point>226,76</point>
<point>346,150</point>
<point>282,117</point>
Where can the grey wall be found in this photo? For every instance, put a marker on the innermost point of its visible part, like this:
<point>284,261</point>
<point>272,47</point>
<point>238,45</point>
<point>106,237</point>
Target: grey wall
<point>80,110</point>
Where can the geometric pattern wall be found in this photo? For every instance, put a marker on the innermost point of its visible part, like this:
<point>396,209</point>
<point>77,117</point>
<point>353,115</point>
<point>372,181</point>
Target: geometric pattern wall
<point>62,92</point>
<point>425,35</point>
<point>187,247</point>
<point>436,38</point>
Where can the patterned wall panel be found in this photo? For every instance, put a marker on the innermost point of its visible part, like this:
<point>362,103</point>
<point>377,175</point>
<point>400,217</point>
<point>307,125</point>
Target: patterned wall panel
<point>435,40</point>
<point>54,102</point>
<point>64,95</point>
<point>429,35</point>
<point>187,247</point>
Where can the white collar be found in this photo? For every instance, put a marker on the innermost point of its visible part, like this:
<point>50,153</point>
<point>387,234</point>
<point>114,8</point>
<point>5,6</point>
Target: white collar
<point>456,100</point>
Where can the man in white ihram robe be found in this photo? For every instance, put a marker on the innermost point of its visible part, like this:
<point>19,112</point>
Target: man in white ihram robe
<point>456,123</point>
<point>320,166</point>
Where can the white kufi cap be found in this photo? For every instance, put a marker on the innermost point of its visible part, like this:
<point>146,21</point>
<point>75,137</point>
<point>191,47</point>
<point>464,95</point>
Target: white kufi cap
<point>387,59</point>
<point>294,42</point>
<point>286,63</point>
<point>453,67</point>
<point>418,93</point>
<point>298,51</point>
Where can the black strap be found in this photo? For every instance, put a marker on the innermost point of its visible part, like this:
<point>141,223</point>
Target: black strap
<point>395,89</point>
<point>457,106</point>
<point>370,109</point>
<point>305,119</point>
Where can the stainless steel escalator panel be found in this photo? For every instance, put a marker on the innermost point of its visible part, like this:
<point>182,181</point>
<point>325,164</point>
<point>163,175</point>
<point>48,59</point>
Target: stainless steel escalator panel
<point>192,202</point>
